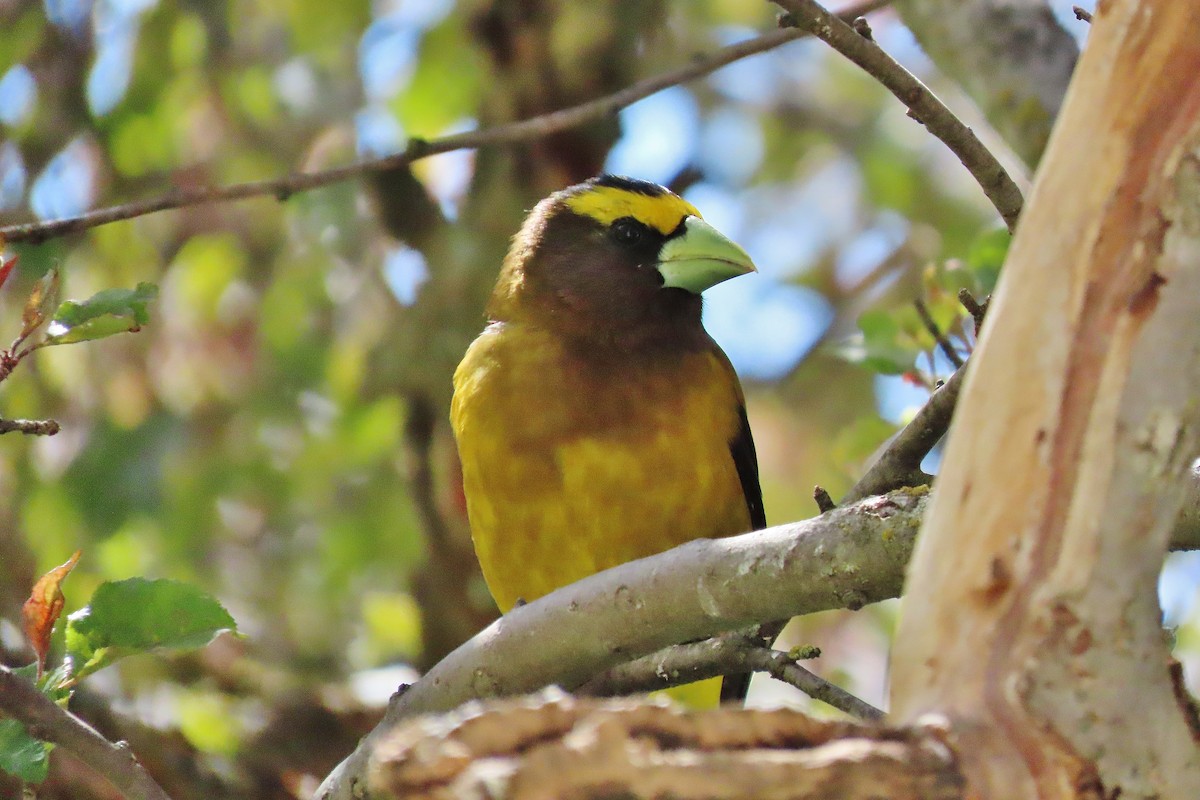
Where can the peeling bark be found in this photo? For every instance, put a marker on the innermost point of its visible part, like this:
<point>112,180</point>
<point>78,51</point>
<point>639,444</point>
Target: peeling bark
<point>1040,636</point>
<point>551,746</point>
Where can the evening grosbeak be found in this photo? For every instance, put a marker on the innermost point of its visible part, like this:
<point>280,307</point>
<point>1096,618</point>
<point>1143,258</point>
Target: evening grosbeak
<point>597,421</point>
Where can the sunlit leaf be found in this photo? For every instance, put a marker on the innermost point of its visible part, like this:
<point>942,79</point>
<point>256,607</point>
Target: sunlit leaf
<point>882,346</point>
<point>139,615</point>
<point>986,257</point>
<point>446,86</point>
<point>854,443</point>
<point>22,755</point>
<point>206,720</point>
<point>108,313</point>
<point>41,610</point>
<point>43,298</point>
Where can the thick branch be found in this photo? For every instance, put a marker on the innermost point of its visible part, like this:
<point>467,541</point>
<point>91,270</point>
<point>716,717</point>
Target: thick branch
<point>921,102</point>
<point>706,587</point>
<point>21,700</point>
<point>551,745</point>
<point>511,133</point>
<point>842,559</point>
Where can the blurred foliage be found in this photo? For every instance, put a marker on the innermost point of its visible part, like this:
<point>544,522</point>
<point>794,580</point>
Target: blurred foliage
<point>277,435</point>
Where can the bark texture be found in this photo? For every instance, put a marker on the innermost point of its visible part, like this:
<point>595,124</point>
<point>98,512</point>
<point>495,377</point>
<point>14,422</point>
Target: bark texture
<point>1038,634</point>
<point>551,746</point>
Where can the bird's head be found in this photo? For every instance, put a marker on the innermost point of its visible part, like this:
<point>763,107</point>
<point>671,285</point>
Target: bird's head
<point>614,260</point>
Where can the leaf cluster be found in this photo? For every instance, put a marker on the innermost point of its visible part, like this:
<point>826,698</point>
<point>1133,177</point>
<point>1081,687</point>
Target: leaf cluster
<point>123,618</point>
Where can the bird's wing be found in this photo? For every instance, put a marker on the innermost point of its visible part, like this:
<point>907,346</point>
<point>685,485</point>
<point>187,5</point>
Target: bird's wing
<point>746,461</point>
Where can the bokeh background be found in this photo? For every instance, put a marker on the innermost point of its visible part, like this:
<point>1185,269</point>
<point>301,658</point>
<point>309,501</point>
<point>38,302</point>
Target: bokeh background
<point>277,434</point>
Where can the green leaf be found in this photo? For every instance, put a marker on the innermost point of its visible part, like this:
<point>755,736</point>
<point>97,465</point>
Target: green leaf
<point>22,755</point>
<point>110,312</point>
<point>446,86</point>
<point>986,257</point>
<point>139,615</point>
<point>882,345</point>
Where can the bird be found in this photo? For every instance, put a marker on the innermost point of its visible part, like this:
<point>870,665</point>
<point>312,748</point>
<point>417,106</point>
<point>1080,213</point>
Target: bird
<point>596,420</point>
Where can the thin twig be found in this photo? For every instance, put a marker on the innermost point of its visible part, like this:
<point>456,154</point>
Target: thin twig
<point>783,667</point>
<point>44,720</point>
<point>824,501</point>
<point>976,309</point>
<point>726,654</point>
<point>1081,14</point>
<point>922,104</point>
<point>900,463</point>
<point>931,325</point>
<point>31,427</point>
<point>674,665</point>
<point>417,149</point>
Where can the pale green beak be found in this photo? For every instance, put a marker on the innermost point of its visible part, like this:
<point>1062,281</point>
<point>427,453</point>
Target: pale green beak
<point>701,258</point>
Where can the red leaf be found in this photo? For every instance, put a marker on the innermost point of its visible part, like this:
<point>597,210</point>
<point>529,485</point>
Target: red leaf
<point>42,608</point>
<point>6,269</point>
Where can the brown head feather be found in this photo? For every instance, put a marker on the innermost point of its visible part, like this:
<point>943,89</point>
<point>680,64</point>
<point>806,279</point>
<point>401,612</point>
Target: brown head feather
<point>570,270</point>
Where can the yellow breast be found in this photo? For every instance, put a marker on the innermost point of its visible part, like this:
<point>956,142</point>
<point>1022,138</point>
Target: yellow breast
<point>569,469</point>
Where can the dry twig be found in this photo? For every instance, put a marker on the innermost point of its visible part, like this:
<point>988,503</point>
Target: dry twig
<point>727,654</point>
<point>30,427</point>
<point>938,336</point>
<point>976,309</point>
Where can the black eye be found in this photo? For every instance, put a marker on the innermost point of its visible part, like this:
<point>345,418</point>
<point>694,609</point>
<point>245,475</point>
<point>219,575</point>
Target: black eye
<point>628,231</point>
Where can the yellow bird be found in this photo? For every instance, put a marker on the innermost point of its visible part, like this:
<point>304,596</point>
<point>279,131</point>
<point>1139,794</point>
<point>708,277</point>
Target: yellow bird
<point>597,421</point>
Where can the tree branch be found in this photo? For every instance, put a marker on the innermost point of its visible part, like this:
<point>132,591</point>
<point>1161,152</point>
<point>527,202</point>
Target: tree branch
<point>417,149</point>
<point>727,654</point>
<point>1013,57</point>
<point>844,558</point>
<point>44,720</point>
<point>900,463</point>
<point>782,666</point>
<point>922,103</point>
<point>635,750</point>
<point>938,336</point>
<point>32,427</point>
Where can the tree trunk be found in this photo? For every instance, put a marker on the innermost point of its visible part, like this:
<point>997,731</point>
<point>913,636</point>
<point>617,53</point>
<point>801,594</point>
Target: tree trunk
<point>1031,621</point>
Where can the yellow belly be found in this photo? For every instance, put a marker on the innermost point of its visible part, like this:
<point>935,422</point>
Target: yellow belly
<point>562,483</point>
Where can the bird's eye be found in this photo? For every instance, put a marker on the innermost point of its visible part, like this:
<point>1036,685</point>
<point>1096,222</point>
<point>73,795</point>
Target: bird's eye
<point>628,231</point>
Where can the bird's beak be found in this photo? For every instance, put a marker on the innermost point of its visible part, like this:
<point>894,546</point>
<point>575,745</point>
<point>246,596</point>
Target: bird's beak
<point>700,258</point>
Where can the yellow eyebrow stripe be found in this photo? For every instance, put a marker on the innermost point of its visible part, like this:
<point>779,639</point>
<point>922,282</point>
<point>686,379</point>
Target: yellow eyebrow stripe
<point>606,204</point>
